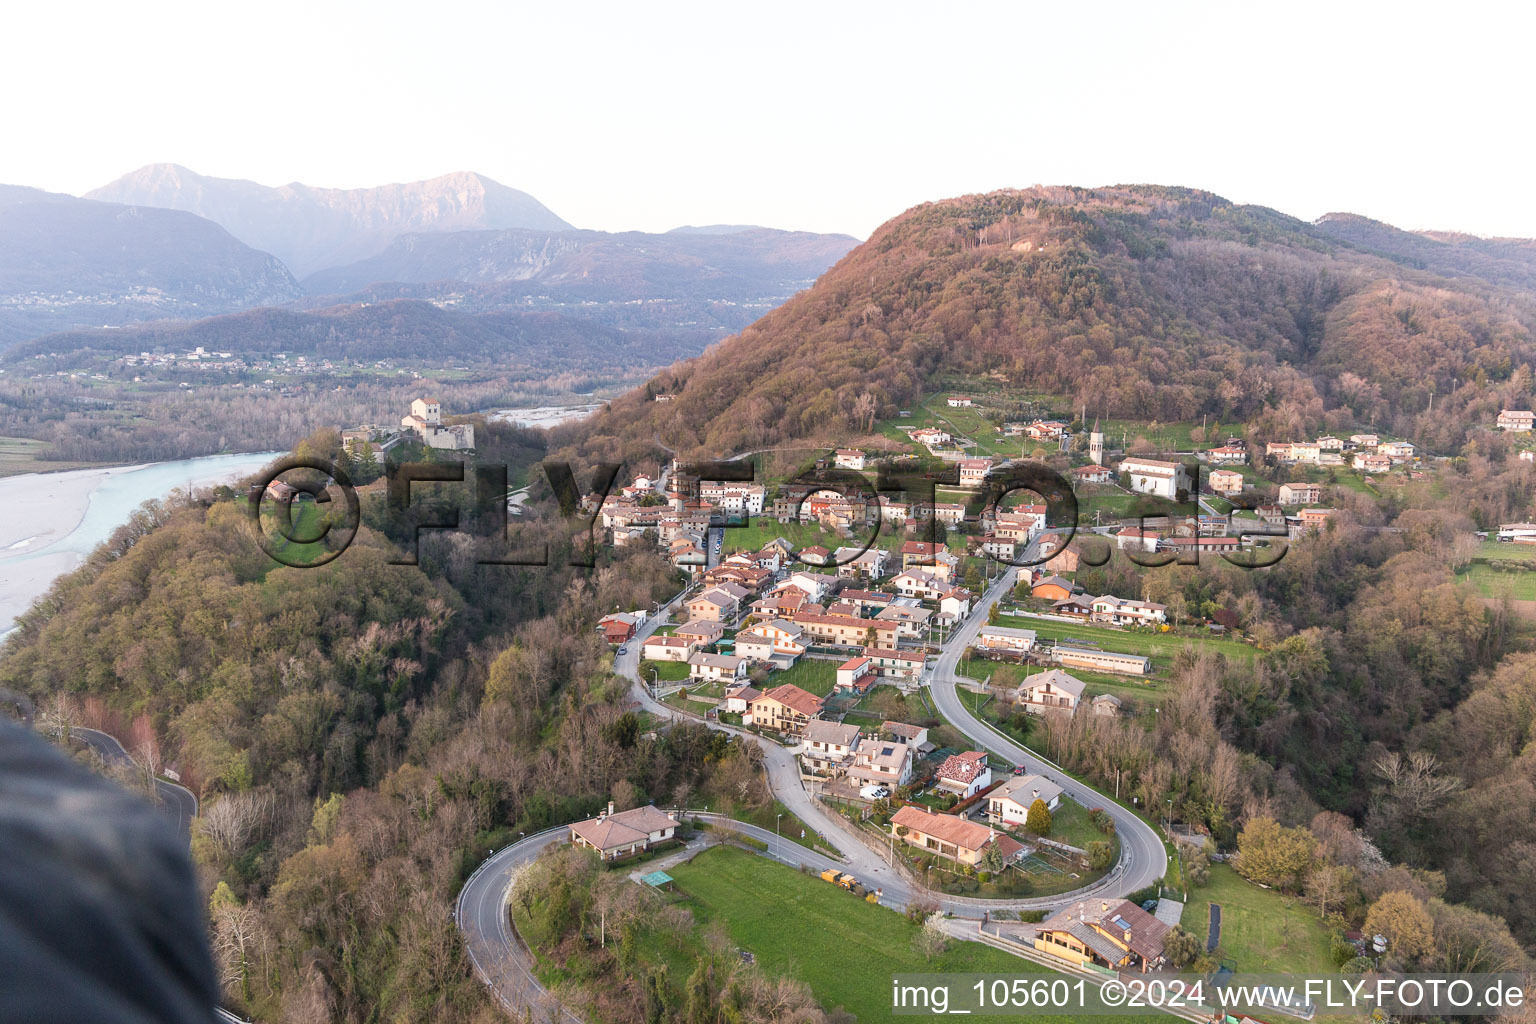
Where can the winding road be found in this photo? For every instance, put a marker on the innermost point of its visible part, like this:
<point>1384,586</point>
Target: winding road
<point>178,802</point>
<point>506,966</point>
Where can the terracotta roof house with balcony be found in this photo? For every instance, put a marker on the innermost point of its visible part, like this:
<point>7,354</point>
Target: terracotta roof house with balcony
<point>1111,933</point>
<point>629,832</point>
<point>964,774</point>
<point>949,836</point>
<point>786,708</point>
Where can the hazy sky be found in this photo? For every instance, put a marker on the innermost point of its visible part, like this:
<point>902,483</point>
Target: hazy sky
<point>827,116</point>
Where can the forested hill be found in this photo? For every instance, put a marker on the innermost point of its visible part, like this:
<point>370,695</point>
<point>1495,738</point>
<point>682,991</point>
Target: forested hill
<point>1145,301</point>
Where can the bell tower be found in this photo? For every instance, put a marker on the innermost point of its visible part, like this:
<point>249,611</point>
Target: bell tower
<point>1096,444</point>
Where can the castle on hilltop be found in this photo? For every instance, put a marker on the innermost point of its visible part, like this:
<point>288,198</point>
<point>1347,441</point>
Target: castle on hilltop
<point>426,422</point>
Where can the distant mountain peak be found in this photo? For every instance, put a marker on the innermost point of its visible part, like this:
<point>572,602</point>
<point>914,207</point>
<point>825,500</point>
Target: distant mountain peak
<point>312,227</point>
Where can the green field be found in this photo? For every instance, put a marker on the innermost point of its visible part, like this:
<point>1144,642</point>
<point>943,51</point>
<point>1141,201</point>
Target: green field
<point>666,671</point>
<point>20,455</point>
<point>1490,582</point>
<point>845,949</point>
<point>1160,647</point>
<point>813,675</point>
<point>1261,929</point>
<point>1070,825</point>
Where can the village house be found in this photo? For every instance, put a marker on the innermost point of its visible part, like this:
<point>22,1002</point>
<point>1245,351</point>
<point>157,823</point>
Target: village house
<point>1150,476</point>
<point>1365,440</point>
<point>1135,538</point>
<point>712,668</point>
<point>902,666</point>
<point>1092,475</point>
<point>1226,481</point>
<point>1300,494</point>
<point>1330,444</point>
<point>1000,548</point>
<point>1076,606</point>
<point>973,472</point>
<point>964,774</point>
<point>1009,803</point>
<point>758,646</point>
<point>853,563</point>
<point>618,627</point>
<point>1106,705</point>
<point>616,835</point>
<point>1113,933</point>
<point>1005,638</point>
<point>920,553</point>
<point>1371,462</point>
<point>882,762</point>
<point>826,746</point>
<point>917,583</point>
<point>714,605</point>
<point>1516,420</point>
<point>1397,451</point>
<point>1052,690</point>
<point>785,708</point>
<point>1229,454</point>
<point>846,630</point>
<point>1313,519</point>
<point>669,648</point>
<point>856,675</point>
<point>1128,612</point>
<point>950,837</point>
<point>1517,533</point>
<point>848,458</point>
<point>955,601</point>
<point>930,436</point>
<point>739,696</point>
<point>1046,430</point>
<point>815,585</point>
<point>1052,588</point>
<point>911,621</point>
<point>706,631</point>
<point>959,401</point>
<point>867,600</point>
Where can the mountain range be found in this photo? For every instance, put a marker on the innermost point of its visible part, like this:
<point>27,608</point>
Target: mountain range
<point>311,228</point>
<point>166,243</point>
<point>1143,302</point>
<point>66,261</point>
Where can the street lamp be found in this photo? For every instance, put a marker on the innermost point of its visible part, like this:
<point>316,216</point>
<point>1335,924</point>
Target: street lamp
<point>776,818</point>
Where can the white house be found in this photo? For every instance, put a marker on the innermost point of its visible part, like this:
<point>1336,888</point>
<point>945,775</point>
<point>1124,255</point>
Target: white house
<point>712,668</point>
<point>1150,476</point>
<point>1516,420</point>
<point>1009,803</point>
<point>826,746</point>
<point>848,458</point>
<point>1005,638</point>
<point>1051,690</point>
<point>1124,612</point>
<point>1300,494</point>
<point>669,648</point>
<point>959,402</point>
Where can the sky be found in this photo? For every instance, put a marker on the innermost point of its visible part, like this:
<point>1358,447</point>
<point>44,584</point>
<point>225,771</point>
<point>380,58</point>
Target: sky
<point>817,116</point>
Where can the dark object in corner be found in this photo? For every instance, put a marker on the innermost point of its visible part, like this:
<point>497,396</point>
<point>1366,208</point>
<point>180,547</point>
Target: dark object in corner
<point>99,914</point>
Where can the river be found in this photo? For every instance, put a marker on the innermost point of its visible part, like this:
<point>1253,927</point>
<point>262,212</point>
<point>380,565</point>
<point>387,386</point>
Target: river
<point>53,520</point>
<point>545,415</point>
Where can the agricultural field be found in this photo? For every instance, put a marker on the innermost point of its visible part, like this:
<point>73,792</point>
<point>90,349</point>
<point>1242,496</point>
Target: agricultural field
<point>21,455</point>
<point>1262,930</point>
<point>1160,647</point>
<point>844,948</point>
<point>1496,570</point>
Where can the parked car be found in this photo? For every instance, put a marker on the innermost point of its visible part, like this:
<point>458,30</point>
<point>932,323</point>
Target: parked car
<point>874,792</point>
<point>623,648</point>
